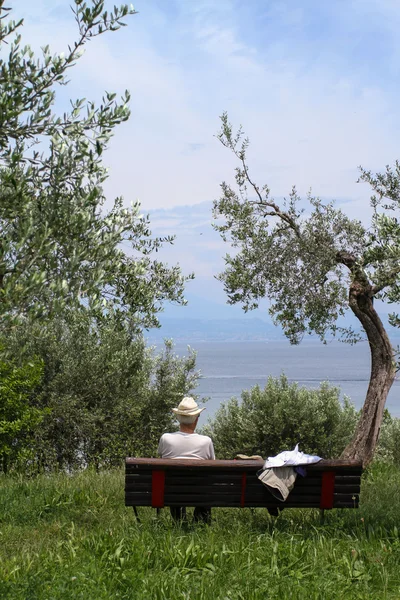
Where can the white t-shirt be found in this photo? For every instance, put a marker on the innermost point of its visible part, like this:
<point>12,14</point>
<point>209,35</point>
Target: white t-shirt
<point>186,445</point>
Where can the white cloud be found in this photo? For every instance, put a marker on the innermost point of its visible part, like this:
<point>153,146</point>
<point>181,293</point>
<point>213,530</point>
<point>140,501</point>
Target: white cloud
<point>310,122</point>
<point>164,224</point>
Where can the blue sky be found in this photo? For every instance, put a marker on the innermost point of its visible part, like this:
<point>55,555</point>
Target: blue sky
<point>314,83</point>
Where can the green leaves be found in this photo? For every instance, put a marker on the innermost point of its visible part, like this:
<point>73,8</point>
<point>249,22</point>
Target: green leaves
<point>59,247</point>
<point>18,416</point>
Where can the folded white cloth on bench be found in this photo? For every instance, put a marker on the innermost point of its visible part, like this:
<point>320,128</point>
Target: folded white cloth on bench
<point>290,458</point>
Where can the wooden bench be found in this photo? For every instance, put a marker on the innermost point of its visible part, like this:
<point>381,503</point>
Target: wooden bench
<point>234,483</point>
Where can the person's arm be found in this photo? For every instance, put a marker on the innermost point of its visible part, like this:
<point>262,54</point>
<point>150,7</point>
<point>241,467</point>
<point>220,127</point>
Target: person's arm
<point>161,447</point>
<point>211,451</point>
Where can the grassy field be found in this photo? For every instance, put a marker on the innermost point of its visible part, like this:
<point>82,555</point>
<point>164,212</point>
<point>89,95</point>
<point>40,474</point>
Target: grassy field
<point>67,537</point>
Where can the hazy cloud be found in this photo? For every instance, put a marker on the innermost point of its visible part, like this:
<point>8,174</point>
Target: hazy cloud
<point>312,84</point>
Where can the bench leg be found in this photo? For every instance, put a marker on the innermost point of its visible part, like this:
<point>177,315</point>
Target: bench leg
<point>322,516</point>
<point>202,514</point>
<point>178,513</point>
<point>135,510</point>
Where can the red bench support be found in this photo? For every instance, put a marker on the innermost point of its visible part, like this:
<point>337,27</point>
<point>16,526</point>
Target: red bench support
<point>327,489</point>
<point>157,489</point>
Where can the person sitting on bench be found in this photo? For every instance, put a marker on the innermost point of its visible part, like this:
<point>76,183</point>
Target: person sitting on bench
<point>185,443</point>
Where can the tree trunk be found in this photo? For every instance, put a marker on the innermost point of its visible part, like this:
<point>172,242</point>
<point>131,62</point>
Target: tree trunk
<point>383,372</point>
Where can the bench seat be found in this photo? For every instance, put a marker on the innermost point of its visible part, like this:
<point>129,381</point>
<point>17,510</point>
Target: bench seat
<point>234,483</point>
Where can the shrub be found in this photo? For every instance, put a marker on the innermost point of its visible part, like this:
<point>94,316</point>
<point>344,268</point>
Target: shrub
<point>19,418</point>
<point>281,415</point>
<point>106,394</point>
<point>388,449</point>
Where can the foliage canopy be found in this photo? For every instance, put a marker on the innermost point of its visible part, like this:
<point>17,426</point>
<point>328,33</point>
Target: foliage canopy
<point>59,247</point>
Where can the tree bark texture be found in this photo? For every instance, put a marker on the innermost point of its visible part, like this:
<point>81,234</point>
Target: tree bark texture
<point>383,372</point>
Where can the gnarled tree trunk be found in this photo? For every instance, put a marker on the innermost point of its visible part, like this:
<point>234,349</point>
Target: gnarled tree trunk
<point>383,372</point>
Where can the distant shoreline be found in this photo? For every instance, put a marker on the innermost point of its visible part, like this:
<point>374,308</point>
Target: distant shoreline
<point>228,367</point>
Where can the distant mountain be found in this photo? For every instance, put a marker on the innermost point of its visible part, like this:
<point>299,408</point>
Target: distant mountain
<point>206,300</point>
<point>225,330</point>
<point>222,330</point>
<point>208,317</point>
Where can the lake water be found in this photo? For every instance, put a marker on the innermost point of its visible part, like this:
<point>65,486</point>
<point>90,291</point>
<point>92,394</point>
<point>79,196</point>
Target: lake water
<point>227,368</point>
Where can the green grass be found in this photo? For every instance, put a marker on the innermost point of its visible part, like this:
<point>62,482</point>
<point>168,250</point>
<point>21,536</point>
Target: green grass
<point>67,537</point>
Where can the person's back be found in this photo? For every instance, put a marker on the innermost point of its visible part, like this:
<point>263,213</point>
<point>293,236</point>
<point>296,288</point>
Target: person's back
<point>184,444</point>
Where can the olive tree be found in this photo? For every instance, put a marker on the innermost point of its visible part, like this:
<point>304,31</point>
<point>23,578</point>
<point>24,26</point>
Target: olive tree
<point>313,263</point>
<point>59,247</point>
<point>84,393</point>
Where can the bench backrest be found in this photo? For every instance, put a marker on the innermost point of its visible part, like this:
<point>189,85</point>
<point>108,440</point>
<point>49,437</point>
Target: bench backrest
<point>234,483</point>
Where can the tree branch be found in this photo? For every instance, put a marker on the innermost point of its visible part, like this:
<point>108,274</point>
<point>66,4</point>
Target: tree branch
<point>261,202</point>
<point>389,280</point>
<point>346,259</point>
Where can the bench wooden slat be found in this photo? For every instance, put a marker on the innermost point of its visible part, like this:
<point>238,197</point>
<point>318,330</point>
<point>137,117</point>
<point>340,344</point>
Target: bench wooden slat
<point>250,488</point>
<point>345,497</point>
<point>227,503</point>
<point>235,498</point>
<point>167,463</point>
<point>231,475</point>
<point>235,503</point>
<point>347,480</point>
<point>347,489</point>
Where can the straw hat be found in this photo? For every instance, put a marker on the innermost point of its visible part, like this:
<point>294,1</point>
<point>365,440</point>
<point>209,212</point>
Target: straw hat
<point>188,407</point>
